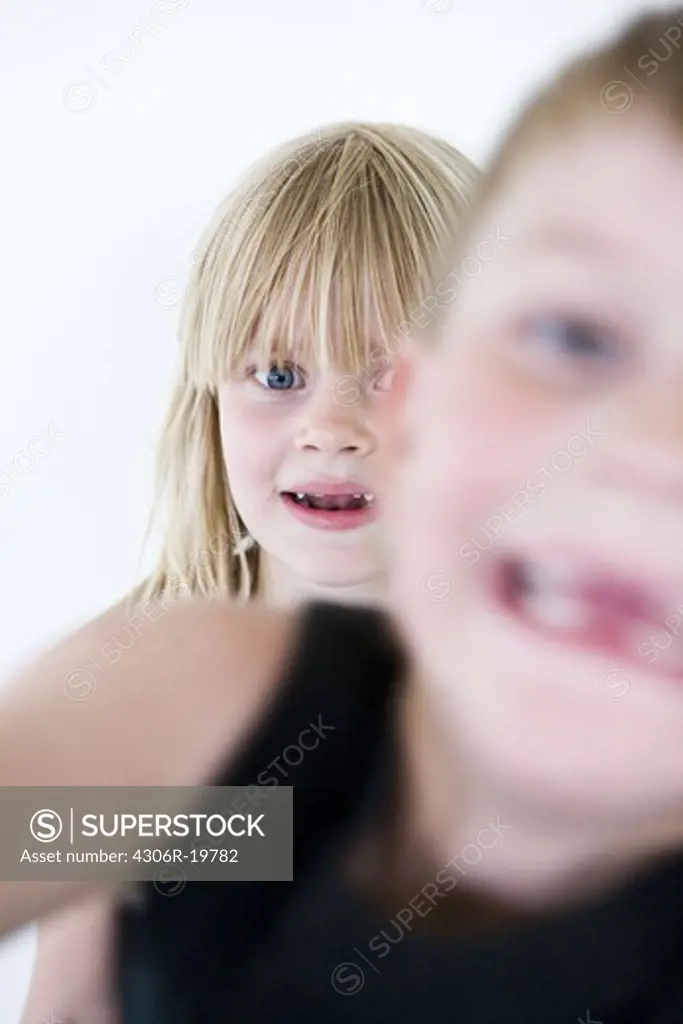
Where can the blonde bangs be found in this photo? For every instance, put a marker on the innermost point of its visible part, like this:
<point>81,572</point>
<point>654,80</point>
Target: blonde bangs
<point>338,290</point>
<point>325,262</point>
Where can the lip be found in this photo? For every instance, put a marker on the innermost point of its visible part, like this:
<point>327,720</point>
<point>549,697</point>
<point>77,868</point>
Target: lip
<point>323,519</point>
<point>322,486</point>
<point>618,606</point>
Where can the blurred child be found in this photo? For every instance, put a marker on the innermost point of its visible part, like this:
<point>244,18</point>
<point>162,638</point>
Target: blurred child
<point>492,831</point>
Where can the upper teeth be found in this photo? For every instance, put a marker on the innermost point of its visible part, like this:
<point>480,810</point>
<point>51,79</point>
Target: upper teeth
<point>555,574</point>
<point>368,497</point>
<point>558,610</point>
<point>547,596</point>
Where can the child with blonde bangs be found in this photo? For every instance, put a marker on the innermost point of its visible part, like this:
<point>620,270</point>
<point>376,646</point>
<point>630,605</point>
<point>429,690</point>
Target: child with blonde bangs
<point>302,294</point>
<point>300,297</point>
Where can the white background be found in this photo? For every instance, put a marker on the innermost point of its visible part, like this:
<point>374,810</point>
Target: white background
<point>106,184</point>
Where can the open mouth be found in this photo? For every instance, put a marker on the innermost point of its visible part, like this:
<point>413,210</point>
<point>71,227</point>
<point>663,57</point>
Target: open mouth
<point>593,606</point>
<point>332,502</point>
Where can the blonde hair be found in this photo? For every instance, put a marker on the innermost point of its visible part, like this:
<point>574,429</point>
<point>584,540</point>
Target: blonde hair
<point>648,51</point>
<point>336,229</point>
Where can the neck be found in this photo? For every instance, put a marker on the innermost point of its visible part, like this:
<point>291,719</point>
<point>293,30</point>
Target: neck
<point>279,586</point>
<point>499,844</point>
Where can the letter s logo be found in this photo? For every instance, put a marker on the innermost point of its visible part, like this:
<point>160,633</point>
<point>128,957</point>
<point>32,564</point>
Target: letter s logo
<point>46,826</point>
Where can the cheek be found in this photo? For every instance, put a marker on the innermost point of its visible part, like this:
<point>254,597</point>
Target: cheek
<point>254,440</point>
<point>484,435</point>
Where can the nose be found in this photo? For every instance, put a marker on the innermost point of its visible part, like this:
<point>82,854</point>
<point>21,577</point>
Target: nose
<point>334,428</point>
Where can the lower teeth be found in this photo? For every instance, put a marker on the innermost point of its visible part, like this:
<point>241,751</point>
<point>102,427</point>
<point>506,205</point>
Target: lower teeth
<point>307,502</point>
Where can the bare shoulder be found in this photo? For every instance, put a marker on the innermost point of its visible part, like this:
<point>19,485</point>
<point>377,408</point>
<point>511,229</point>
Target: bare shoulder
<point>130,699</point>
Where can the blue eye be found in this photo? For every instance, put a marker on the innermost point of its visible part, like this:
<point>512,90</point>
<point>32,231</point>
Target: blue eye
<point>578,339</point>
<point>280,378</point>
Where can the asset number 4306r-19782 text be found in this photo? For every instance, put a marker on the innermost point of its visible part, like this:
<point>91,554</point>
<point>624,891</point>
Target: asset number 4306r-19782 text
<point>199,855</point>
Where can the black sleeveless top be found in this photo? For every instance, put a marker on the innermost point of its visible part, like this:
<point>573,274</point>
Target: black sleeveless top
<point>310,951</point>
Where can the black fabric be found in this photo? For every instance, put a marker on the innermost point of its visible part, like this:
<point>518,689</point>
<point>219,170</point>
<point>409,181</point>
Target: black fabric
<point>175,950</point>
<point>309,951</point>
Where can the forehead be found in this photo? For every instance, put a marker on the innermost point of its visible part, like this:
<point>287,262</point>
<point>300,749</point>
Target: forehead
<point>321,332</point>
<point>609,189</point>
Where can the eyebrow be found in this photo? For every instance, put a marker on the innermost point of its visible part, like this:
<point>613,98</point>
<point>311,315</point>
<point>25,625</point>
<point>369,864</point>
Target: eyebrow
<point>572,240</point>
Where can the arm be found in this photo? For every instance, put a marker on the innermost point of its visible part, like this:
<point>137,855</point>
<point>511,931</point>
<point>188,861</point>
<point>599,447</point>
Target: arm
<point>179,700</point>
<point>71,977</point>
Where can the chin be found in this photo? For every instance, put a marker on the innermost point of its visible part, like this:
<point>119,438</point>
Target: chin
<point>340,578</point>
<point>337,562</point>
<point>533,661</point>
<point>561,751</point>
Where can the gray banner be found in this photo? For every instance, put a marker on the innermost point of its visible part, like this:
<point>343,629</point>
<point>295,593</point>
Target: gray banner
<point>141,833</point>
